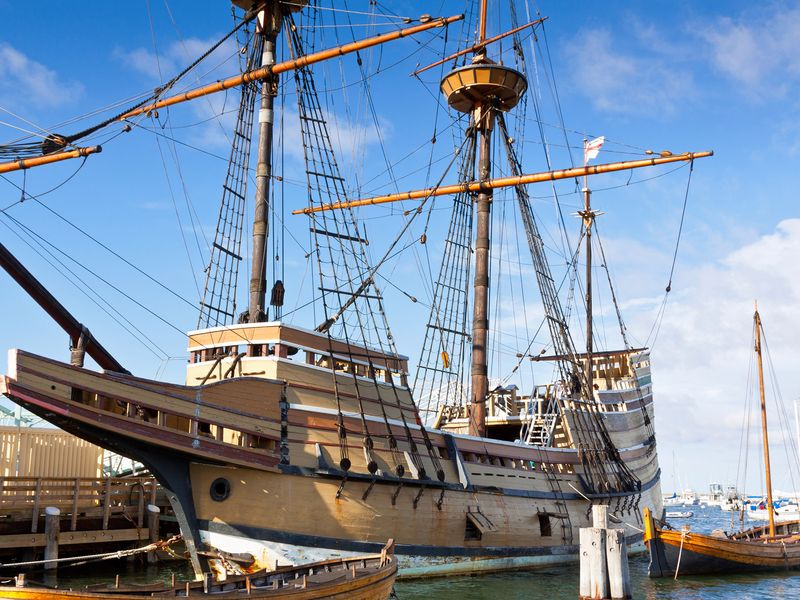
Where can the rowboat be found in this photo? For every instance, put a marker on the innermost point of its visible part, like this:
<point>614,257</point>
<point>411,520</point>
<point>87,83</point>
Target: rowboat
<point>369,577</point>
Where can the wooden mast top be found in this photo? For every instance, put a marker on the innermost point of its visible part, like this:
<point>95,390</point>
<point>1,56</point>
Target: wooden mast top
<point>482,22</point>
<point>765,437</point>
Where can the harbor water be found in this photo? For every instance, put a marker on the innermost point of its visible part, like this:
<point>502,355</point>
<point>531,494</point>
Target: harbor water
<point>552,583</point>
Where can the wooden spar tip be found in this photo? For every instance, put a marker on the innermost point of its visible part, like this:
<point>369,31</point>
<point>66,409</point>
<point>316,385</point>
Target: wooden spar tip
<point>292,65</point>
<point>480,46</point>
<point>27,163</point>
<point>490,184</point>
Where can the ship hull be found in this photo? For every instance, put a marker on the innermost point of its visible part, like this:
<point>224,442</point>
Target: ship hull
<point>278,495</point>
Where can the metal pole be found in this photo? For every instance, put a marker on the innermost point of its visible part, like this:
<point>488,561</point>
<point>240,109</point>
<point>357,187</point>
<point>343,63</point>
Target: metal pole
<point>269,30</point>
<point>480,319</point>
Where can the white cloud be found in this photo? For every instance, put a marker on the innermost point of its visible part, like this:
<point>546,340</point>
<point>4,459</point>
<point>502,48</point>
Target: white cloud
<point>216,112</point>
<point>701,357</point>
<point>178,55</point>
<point>25,82</point>
<point>757,51</point>
<point>626,83</point>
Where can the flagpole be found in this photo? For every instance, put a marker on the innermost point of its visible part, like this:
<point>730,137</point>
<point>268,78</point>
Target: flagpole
<point>588,218</point>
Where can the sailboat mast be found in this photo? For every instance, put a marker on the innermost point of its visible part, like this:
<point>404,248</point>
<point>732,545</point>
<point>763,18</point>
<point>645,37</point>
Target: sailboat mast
<point>269,26</point>
<point>770,510</point>
<point>588,220</point>
<point>482,120</point>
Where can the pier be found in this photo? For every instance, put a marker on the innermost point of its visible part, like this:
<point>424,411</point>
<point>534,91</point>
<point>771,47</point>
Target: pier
<point>54,516</point>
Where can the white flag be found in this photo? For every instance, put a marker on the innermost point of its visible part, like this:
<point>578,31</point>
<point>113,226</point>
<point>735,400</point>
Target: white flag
<point>592,149</point>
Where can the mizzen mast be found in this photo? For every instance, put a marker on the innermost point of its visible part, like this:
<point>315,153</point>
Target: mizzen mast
<point>481,89</point>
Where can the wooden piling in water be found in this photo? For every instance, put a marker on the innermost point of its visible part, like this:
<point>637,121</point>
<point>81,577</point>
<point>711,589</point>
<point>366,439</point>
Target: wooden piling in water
<point>617,559</point>
<point>52,527</point>
<point>153,516</point>
<point>604,573</point>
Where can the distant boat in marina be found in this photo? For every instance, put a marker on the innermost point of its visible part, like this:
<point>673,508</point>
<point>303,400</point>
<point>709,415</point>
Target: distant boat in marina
<point>680,514</point>
<point>781,512</point>
<point>687,497</point>
<point>767,547</point>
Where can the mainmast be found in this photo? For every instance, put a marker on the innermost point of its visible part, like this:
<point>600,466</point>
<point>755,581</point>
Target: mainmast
<point>481,89</point>
<point>482,120</point>
<point>770,510</point>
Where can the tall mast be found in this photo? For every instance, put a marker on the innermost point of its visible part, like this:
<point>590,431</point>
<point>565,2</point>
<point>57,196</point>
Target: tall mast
<point>269,25</point>
<point>588,220</point>
<point>770,510</point>
<point>482,119</point>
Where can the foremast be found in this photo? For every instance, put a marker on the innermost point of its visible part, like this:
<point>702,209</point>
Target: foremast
<point>269,25</point>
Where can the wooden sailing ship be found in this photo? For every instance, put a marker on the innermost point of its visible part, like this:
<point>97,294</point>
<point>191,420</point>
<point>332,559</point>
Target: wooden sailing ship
<point>773,547</point>
<point>291,443</point>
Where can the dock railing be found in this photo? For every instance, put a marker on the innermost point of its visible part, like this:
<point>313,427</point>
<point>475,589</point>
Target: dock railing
<point>24,498</point>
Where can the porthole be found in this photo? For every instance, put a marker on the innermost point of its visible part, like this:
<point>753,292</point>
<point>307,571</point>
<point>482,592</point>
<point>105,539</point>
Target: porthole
<point>220,489</point>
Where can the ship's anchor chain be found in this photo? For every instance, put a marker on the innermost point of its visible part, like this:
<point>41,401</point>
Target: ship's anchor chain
<point>418,496</point>
<point>636,512</point>
<point>396,492</point>
<point>341,485</point>
<point>440,501</point>
<point>366,493</point>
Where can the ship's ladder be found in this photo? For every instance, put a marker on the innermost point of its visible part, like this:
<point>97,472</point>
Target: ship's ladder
<point>537,429</point>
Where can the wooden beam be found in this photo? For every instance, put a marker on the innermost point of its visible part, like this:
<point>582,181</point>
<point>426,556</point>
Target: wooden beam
<point>27,163</point>
<point>291,65</point>
<point>479,186</point>
<point>480,46</point>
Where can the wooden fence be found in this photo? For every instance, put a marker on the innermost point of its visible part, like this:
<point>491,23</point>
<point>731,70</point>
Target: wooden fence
<point>47,452</point>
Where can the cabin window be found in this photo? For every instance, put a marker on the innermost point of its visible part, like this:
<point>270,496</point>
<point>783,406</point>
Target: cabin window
<point>544,525</point>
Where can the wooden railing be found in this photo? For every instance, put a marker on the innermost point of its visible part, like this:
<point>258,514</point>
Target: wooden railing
<point>24,498</point>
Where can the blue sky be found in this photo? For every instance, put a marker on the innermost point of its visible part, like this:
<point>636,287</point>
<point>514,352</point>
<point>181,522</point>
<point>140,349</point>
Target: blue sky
<point>678,76</point>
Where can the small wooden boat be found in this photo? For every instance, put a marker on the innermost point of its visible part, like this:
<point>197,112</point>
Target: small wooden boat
<point>369,577</point>
<point>684,552</point>
<point>764,548</point>
<point>680,514</point>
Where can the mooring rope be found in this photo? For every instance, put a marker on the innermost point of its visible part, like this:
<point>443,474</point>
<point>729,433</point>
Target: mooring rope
<point>680,552</point>
<point>108,555</point>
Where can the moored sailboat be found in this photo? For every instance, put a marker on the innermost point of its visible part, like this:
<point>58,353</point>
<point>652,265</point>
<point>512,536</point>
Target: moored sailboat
<point>292,443</point>
<point>775,546</point>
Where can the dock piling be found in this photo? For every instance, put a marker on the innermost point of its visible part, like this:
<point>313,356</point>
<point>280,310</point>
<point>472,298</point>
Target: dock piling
<point>52,527</point>
<point>604,573</point>
<point>153,516</point>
